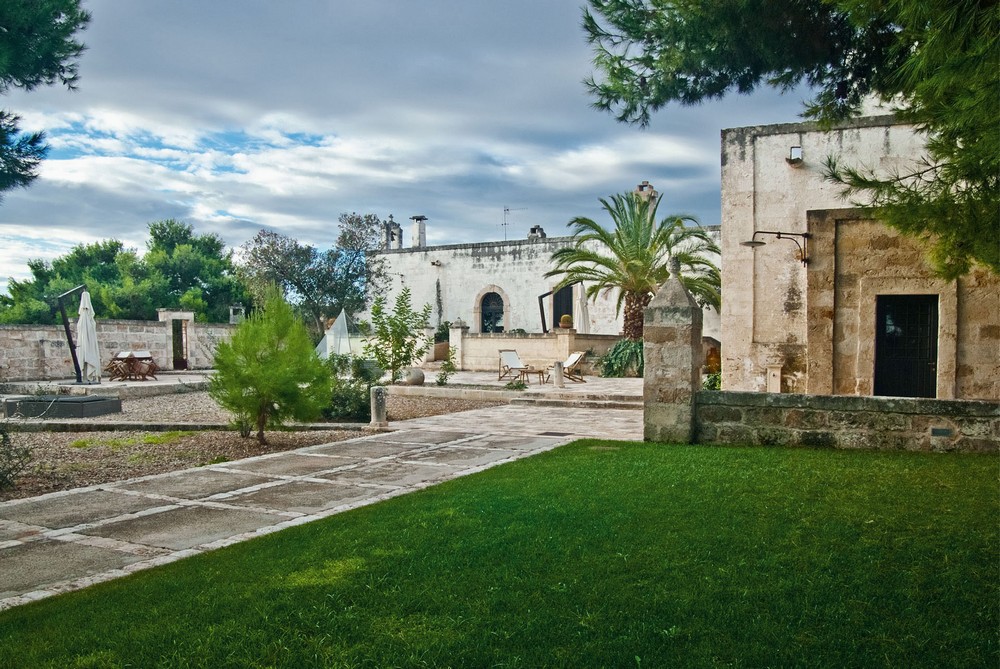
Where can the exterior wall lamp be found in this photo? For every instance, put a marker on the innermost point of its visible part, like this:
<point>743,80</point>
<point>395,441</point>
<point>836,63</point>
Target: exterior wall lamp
<point>794,156</point>
<point>436,263</point>
<point>791,236</point>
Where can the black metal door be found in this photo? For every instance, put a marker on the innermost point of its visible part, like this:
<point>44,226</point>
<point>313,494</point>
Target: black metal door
<point>906,334</point>
<point>562,304</point>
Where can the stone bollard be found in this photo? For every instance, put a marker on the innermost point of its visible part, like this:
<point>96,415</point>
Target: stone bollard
<point>378,407</point>
<point>557,375</point>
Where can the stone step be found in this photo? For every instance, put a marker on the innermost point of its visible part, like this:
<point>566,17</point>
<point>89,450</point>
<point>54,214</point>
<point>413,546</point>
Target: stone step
<point>578,402</point>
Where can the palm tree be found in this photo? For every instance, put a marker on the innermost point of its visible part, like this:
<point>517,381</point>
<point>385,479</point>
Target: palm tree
<point>634,257</point>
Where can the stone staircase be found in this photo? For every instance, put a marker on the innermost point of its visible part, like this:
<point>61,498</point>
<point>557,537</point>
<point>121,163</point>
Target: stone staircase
<point>579,400</point>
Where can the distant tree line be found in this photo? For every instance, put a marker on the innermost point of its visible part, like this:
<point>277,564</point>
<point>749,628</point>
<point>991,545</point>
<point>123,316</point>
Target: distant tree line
<point>181,269</point>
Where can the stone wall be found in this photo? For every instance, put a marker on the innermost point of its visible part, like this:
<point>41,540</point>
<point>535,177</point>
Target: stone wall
<point>878,423</point>
<point>798,328</point>
<point>863,259</point>
<point>40,352</point>
<point>480,352</point>
<point>676,410</point>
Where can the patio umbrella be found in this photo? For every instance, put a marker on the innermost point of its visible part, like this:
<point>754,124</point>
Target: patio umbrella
<point>86,342</point>
<point>582,320</point>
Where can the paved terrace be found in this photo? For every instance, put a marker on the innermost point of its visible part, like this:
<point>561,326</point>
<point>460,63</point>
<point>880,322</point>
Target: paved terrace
<point>68,540</point>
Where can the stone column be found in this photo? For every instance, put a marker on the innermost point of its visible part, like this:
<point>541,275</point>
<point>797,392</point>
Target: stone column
<point>565,342</point>
<point>673,358</point>
<point>379,415</point>
<point>429,336</point>
<point>456,334</point>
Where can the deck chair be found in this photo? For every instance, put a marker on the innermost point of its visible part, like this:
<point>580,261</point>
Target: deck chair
<point>511,365</point>
<point>571,367</point>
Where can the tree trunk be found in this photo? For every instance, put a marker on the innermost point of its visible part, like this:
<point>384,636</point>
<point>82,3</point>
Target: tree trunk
<point>261,423</point>
<point>635,306</point>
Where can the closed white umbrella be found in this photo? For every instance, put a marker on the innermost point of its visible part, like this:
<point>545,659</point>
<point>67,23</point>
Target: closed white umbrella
<point>582,320</point>
<point>87,351</point>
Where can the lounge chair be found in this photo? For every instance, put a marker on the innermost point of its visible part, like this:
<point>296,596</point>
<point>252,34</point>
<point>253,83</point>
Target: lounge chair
<point>571,367</point>
<point>511,365</point>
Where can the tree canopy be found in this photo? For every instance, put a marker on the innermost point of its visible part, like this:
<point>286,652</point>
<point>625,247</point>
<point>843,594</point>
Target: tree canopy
<point>37,47</point>
<point>935,61</point>
<point>180,270</point>
<point>319,283</point>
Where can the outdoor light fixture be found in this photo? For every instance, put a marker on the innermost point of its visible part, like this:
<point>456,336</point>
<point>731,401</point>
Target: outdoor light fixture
<point>794,156</point>
<point>803,247</point>
<point>436,263</point>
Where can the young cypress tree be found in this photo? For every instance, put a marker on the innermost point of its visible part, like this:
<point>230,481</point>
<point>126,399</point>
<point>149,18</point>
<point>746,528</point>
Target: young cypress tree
<point>269,371</point>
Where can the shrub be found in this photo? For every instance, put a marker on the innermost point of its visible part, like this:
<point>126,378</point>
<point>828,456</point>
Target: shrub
<point>397,339</point>
<point>516,384</point>
<point>448,367</point>
<point>712,381</point>
<point>269,372</point>
<point>443,333</point>
<point>350,395</point>
<point>623,359</point>
<point>13,460</point>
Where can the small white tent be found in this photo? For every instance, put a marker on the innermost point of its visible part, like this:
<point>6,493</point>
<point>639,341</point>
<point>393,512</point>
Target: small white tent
<point>337,339</point>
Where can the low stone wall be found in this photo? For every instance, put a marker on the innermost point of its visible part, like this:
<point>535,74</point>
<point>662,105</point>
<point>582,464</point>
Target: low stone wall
<point>40,352</point>
<point>841,421</point>
<point>480,352</point>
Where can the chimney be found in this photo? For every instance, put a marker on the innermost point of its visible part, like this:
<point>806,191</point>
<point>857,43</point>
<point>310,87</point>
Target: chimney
<point>536,232</point>
<point>392,235</point>
<point>646,191</point>
<point>419,231</point>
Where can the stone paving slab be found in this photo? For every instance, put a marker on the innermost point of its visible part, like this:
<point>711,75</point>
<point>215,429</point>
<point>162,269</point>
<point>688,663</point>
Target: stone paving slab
<point>365,449</point>
<point>43,563</point>
<point>395,474</point>
<point>423,437</point>
<point>306,497</point>
<point>185,527</point>
<point>60,511</point>
<point>65,541</point>
<point>461,456</point>
<point>293,463</point>
<point>194,484</point>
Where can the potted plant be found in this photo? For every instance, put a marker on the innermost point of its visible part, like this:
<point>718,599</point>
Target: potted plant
<point>565,321</point>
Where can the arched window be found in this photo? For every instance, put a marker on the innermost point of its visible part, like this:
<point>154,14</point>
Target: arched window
<point>491,319</point>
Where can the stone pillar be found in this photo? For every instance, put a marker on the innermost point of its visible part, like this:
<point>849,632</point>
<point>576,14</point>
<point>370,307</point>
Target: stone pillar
<point>429,337</point>
<point>565,342</point>
<point>456,334</point>
<point>379,416</point>
<point>672,355</point>
<point>557,375</point>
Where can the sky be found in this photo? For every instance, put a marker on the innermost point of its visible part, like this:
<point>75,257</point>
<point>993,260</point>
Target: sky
<point>238,115</point>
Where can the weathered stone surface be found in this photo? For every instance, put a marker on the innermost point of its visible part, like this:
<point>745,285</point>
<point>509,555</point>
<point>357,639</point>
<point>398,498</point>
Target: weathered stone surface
<point>875,423</point>
<point>672,352</point>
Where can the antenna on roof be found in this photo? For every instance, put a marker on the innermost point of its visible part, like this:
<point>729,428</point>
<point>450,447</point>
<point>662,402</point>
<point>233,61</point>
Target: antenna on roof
<point>506,213</point>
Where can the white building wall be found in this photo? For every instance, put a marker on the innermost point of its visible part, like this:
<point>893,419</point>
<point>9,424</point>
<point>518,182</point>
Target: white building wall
<point>454,278</point>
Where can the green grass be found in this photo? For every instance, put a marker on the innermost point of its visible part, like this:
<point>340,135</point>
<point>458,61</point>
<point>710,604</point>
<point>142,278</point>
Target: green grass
<point>595,554</point>
<point>118,443</point>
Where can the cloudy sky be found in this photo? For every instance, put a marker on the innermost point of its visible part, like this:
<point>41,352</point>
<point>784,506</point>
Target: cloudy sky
<point>236,115</point>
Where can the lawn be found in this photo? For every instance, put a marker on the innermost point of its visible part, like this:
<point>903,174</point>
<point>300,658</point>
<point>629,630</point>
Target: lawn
<point>596,554</point>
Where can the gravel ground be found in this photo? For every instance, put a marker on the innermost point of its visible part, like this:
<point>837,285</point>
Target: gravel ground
<point>65,460</point>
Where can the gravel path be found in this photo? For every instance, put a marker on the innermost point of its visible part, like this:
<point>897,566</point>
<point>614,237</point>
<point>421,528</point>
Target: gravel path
<point>65,460</point>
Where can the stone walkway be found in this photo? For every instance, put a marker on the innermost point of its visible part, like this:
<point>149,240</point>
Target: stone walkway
<point>69,540</point>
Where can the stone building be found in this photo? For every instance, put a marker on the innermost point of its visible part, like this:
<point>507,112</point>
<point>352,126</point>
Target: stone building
<point>499,286</point>
<point>839,303</point>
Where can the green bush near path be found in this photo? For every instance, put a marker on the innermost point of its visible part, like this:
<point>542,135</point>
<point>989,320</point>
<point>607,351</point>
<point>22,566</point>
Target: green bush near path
<point>595,554</point>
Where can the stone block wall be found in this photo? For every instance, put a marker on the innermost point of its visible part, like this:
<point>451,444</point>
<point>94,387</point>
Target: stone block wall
<point>875,423</point>
<point>480,352</point>
<point>41,352</point>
